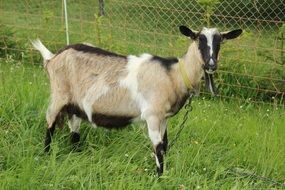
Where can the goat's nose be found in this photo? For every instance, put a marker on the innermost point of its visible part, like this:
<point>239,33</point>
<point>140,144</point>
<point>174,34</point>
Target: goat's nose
<point>211,62</point>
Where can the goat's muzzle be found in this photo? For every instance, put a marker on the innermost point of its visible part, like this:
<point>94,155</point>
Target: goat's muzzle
<point>211,66</point>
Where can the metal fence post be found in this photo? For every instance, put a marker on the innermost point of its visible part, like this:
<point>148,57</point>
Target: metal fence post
<point>282,48</point>
<point>101,8</point>
<point>66,22</point>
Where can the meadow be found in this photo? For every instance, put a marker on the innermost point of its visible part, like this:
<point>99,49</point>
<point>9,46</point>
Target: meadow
<point>220,138</point>
<point>236,141</point>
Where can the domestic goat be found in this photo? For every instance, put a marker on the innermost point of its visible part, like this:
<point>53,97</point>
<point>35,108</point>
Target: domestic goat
<point>112,90</point>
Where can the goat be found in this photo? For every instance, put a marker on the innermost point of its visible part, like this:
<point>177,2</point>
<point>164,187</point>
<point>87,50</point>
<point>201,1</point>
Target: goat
<point>112,90</point>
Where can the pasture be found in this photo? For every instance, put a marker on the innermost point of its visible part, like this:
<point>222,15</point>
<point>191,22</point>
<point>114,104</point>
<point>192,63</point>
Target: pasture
<point>235,141</point>
<point>220,136</point>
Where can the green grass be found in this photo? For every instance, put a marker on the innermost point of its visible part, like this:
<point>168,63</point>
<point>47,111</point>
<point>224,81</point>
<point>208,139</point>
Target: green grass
<point>219,137</point>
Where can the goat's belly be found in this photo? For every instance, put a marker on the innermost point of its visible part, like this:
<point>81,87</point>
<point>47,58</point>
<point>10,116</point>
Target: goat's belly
<point>100,119</point>
<point>115,116</point>
<point>114,111</point>
<point>111,121</point>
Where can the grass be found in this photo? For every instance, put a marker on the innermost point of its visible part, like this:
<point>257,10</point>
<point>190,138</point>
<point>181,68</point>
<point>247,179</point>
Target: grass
<point>219,137</point>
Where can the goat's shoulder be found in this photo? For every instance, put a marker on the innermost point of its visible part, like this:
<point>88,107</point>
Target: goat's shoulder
<point>86,48</point>
<point>165,62</point>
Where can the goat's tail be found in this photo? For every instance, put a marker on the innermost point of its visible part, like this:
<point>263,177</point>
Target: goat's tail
<point>38,45</point>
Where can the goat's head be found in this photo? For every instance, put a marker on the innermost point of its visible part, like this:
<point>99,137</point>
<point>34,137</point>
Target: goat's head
<point>208,41</point>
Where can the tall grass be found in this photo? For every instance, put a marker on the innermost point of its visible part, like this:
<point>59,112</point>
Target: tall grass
<point>219,137</point>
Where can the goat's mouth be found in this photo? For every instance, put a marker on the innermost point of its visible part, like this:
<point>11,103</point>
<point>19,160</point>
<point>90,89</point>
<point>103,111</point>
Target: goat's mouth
<point>209,82</point>
<point>210,71</point>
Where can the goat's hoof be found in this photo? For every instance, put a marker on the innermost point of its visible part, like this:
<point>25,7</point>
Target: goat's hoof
<point>159,171</point>
<point>74,137</point>
<point>47,149</point>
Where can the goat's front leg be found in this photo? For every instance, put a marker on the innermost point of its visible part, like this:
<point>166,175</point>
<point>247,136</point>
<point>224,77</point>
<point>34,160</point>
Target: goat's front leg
<point>163,131</point>
<point>154,131</point>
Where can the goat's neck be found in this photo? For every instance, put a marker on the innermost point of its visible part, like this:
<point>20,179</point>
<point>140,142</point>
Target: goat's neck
<point>193,64</point>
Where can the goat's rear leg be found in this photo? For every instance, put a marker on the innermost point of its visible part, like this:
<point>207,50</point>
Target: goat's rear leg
<point>74,125</point>
<point>53,117</point>
<point>163,133</point>
<point>49,134</point>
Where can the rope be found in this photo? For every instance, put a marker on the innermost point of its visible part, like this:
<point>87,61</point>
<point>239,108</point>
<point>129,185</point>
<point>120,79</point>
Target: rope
<point>188,107</point>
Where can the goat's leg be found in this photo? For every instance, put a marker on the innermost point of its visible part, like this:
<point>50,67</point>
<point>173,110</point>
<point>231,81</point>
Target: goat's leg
<point>153,124</point>
<point>165,142</point>
<point>163,131</point>
<point>74,125</point>
<point>53,117</point>
<point>49,134</point>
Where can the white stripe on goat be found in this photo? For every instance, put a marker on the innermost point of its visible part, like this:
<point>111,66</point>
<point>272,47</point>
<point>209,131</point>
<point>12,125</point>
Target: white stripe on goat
<point>209,33</point>
<point>131,80</point>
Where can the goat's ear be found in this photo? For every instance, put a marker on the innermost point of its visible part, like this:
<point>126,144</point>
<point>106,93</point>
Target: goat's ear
<point>187,32</point>
<point>231,34</point>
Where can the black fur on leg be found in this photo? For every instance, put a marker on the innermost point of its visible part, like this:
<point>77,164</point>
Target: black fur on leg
<point>159,154</point>
<point>49,134</point>
<point>165,142</point>
<point>74,137</point>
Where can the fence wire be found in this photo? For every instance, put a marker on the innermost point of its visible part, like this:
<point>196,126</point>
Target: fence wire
<point>252,67</point>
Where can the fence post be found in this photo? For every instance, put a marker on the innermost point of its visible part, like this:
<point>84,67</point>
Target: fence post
<point>101,8</point>
<point>66,22</point>
<point>282,48</point>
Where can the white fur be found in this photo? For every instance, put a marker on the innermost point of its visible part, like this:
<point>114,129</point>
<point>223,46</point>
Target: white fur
<point>163,128</point>
<point>154,136</point>
<point>74,124</point>
<point>211,62</point>
<point>209,33</point>
<point>157,162</point>
<point>47,55</point>
<point>153,125</point>
<point>131,80</point>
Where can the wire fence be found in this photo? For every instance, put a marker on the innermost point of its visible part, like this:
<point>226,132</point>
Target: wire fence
<point>252,67</point>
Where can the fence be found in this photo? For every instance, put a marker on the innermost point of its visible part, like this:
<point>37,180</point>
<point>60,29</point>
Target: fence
<point>252,67</point>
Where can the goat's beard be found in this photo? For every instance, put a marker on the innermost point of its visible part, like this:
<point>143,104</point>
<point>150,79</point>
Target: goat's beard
<point>209,82</point>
